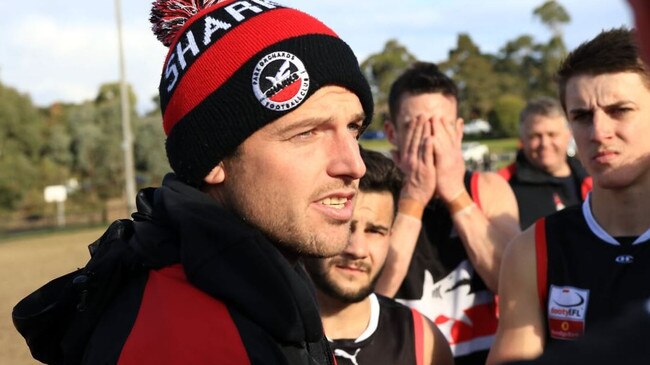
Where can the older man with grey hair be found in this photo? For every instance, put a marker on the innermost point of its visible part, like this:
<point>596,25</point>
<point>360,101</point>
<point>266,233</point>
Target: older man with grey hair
<point>544,177</point>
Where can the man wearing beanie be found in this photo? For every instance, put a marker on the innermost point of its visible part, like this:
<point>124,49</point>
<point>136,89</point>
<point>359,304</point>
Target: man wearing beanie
<point>262,106</point>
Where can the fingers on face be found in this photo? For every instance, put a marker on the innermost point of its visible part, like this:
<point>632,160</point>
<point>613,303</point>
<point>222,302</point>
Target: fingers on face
<point>427,150</point>
<point>426,144</point>
<point>445,127</point>
<point>408,140</point>
<point>414,136</point>
<point>421,139</point>
<point>446,133</point>
<point>420,125</point>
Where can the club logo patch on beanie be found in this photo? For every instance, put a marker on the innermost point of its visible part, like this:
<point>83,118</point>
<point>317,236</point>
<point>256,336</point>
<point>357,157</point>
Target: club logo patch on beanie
<point>280,81</point>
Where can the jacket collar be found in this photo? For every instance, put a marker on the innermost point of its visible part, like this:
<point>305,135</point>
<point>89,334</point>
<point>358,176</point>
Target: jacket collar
<point>526,172</point>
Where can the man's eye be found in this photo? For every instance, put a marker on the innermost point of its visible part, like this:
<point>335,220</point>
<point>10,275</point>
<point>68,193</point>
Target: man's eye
<point>305,134</point>
<point>581,117</point>
<point>355,128</point>
<point>620,112</point>
<point>376,232</point>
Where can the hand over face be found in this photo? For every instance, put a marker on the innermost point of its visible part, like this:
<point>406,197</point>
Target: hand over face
<point>448,156</point>
<point>416,159</point>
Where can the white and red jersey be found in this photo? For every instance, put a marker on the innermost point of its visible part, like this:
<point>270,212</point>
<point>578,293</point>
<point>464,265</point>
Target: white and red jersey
<point>442,284</point>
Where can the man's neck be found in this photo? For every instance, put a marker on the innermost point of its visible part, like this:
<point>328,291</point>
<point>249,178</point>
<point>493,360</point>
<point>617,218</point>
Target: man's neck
<point>561,171</point>
<point>343,320</point>
<point>622,212</point>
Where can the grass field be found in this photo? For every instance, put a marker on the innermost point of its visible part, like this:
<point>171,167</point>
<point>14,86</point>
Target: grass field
<point>502,145</point>
<point>503,148</point>
<point>26,264</point>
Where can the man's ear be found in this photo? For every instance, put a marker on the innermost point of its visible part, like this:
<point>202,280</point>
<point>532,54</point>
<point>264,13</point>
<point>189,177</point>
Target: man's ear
<point>216,176</point>
<point>389,129</point>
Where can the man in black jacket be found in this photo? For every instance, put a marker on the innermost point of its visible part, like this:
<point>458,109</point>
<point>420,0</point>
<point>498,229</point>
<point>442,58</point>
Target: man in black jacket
<point>544,177</point>
<point>262,106</point>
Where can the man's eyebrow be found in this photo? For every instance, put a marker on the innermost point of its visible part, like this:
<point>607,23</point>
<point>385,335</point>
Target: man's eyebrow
<point>580,110</point>
<point>359,117</point>
<point>618,104</point>
<point>606,107</point>
<point>313,122</point>
<point>301,124</point>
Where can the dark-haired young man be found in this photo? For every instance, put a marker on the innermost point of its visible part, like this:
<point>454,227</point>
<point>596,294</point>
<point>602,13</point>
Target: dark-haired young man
<point>543,177</point>
<point>450,272</point>
<point>580,267</point>
<point>363,327</point>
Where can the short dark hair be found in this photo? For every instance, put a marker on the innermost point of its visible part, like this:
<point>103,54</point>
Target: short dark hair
<point>382,175</point>
<point>611,51</point>
<point>420,78</point>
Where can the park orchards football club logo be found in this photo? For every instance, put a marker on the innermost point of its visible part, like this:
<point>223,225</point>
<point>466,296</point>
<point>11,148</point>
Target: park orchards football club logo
<point>280,81</point>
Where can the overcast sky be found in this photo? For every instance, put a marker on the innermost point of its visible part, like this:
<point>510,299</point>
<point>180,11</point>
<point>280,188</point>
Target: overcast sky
<point>63,50</point>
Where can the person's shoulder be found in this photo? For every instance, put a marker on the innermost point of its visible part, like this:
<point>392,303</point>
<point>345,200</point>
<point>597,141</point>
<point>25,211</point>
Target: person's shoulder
<point>491,178</point>
<point>396,308</point>
<point>570,213</point>
<point>508,172</point>
<point>520,254</point>
<point>525,241</point>
<point>436,348</point>
<point>495,193</point>
<point>386,302</point>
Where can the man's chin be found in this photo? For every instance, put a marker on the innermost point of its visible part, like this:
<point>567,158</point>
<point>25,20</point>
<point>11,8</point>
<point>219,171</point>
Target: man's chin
<point>328,241</point>
<point>353,296</point>
<point>325,248</point>
<point>319,246</point>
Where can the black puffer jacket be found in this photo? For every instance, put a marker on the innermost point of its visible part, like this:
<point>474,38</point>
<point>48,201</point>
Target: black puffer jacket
<point>539,193</point>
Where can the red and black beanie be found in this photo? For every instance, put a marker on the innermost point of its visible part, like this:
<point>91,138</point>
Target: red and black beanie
<point>235,66</point>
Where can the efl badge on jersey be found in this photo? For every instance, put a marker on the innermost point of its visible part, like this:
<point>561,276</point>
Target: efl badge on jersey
<point>567,312</point>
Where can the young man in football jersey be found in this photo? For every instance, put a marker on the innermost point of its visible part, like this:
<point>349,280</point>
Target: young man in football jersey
<point>584,265</point>
<point>363,327</point>
<point>462,220</point>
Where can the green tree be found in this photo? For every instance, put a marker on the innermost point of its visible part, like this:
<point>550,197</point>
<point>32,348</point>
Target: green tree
<point>517,65</point>
<point>96,132</point>
<point>57,137</point>
<point>552,55</point>
<point>20,141</point>
<point>474,74</point>
<point>553,15</point>
<point>504,116</point>
<point>150,156</point>
<point>381,69</point>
